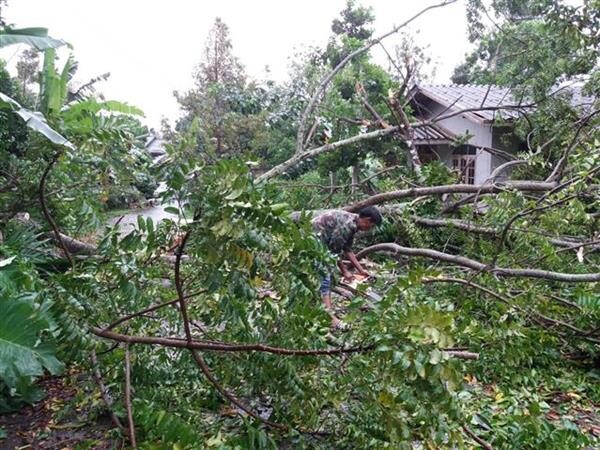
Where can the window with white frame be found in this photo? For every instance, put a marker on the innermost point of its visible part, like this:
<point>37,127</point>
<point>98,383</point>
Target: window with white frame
<point>465,166</point>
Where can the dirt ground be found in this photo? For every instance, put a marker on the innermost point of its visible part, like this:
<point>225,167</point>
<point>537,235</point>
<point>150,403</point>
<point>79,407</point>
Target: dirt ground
<point>53,423</point>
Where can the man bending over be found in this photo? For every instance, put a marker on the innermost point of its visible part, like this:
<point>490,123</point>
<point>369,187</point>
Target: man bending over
<point>336,229</point>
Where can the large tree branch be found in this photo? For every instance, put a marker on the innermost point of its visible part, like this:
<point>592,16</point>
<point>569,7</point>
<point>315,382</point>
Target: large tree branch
<point>327,79</point>
<point>568,244</point>
<point>299,157</point>
<point>469,263</point>
<point>225,347</point>
<point>73,245</point>
<point>409,134</point>
<point>529,186</point>
<point>46,212</point>
<point>307,154</point>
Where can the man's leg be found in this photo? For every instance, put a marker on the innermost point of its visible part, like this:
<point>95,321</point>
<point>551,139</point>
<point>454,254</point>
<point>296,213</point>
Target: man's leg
<point>325,291</point>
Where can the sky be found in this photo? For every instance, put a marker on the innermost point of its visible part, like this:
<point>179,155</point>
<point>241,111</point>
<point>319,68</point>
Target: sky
<point>151,47</point>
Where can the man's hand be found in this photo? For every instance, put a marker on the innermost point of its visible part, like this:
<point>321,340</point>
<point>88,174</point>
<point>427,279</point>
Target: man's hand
<point>361,276</point>
<point>348,277</point>
<point>359,268</point>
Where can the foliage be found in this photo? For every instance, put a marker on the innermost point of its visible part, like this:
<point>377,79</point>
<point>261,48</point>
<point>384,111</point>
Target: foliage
<point>35,37</point>
<point>554,41</point>
<point>13,137</point>
<point>218,93</point>
<point>28,328</point>
<point>234,274</point>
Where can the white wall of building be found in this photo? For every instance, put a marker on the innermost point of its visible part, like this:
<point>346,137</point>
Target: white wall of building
<point>481,137</point>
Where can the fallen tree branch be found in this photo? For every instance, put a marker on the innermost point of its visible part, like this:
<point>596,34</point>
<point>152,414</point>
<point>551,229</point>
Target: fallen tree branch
<point>327,79</point>
<point>490,231</point>
<point>46,212</point>
<point>461,354</point>
<point>74,246</point>
<point>213,346</point>
<point>479,266</point>
<point>224,347</point>
<point>540,318</point>
<point>307,154</point>
<point>104,392</point>
<point>408,133</point>
<point>299,157</point>
<point>519,185</point>
<point>476,438</point>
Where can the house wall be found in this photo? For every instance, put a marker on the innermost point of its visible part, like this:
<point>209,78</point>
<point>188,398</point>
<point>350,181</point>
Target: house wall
<point>481,137</point>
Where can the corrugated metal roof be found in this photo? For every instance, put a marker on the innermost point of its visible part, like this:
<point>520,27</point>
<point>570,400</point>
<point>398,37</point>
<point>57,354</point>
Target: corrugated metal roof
<point>432,134</point>
<point>474,97</point>
<point>477,97</point>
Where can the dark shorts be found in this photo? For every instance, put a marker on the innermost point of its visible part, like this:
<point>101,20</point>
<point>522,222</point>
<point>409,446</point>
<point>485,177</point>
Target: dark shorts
<point>325,284</point>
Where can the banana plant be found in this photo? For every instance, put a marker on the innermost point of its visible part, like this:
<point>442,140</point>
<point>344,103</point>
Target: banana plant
<point>34,120</point>
<point>54,85</point>
<point>35,37</point>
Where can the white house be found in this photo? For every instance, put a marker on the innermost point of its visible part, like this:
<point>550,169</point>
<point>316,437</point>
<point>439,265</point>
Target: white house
<point>155,146</point>
<point>485,118</point>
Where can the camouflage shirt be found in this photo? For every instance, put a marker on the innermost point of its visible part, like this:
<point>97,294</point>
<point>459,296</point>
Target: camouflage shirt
<point>336,229</point>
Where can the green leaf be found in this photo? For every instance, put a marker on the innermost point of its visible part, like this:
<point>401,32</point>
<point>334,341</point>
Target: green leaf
<point>279,207</point>
<point>235,194</point>
<point>66,74</point>
<point>22,355</point>
<point>33,120</point>
<point>7,261</point>
<point>435,356</point>
<point>37,122</point>
<point>141,223</point>
<point>35,37</point>
<point>420,369</point>
<point>149,225</point>
<point>93,106</point>
<point>8,103</point>
<point>50,90</point>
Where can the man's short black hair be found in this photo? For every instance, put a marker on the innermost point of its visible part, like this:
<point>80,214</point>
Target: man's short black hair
<point>372,213</point>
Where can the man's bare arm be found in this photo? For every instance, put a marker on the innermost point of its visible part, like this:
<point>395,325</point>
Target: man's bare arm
<point>352,258</point>
<point>345,272</point>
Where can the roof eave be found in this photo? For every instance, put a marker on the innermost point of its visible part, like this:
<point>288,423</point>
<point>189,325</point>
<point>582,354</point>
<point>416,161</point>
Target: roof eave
<point>433,142</point>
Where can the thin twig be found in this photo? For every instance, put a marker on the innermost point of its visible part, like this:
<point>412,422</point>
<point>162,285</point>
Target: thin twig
<point>130,422</point>
<point>104,392</point>
<point>476,438</point>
